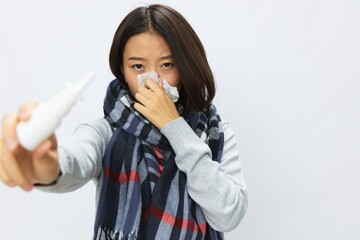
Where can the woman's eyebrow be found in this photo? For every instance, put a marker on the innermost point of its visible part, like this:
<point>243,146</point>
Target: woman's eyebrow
<point>136,58</point>
<point>143,59</point>
<point>166,57</point>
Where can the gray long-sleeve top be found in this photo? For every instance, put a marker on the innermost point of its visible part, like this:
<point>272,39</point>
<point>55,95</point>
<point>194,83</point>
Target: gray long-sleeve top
<point>218,188</point>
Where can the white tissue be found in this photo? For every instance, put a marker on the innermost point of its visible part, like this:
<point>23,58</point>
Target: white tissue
<point>171,91</point>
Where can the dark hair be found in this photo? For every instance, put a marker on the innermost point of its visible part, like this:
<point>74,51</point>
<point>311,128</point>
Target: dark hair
<point>198,86</point>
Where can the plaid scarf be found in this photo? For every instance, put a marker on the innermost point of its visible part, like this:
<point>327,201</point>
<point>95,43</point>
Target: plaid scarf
<point>144,195</point>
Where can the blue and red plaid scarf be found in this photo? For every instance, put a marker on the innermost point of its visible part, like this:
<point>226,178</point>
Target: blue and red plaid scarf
<point>144,195</point>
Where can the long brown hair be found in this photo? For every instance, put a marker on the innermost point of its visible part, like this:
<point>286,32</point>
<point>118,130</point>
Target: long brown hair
<point>198,85</point>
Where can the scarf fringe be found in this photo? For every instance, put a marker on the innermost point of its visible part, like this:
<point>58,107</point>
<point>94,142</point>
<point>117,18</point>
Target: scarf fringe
<point>109,234</point>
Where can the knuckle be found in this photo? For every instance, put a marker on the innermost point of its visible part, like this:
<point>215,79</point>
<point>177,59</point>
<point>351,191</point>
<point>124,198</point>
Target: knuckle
<point>140,89</point>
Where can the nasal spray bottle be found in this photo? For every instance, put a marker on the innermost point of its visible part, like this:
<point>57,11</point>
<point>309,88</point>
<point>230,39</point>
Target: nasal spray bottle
<point>46,117</point>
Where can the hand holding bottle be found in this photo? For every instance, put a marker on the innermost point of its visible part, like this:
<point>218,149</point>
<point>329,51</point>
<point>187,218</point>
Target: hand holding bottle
<point>28,147</point>
<point>21,167</point>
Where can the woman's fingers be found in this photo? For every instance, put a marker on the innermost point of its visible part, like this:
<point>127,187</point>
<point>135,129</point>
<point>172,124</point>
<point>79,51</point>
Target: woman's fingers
<point>153,86</point>
<point>10,148</point>
<point>9,131</point>
<point>145,92</point>
<point>160,83</point>
<point>141,99</point>
<point>146,95</point>
<point>11,168</point>
<point>3,175</point>
<point>19,167</point>
<point>151,91</point>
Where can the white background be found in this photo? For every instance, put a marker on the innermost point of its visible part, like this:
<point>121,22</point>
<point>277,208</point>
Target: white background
<point>288,82</point>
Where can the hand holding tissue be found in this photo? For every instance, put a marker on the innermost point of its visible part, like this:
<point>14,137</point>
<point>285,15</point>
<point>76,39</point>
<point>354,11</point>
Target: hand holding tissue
<point>171,91</point>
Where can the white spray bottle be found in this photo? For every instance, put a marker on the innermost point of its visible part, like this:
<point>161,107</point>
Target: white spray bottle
<point>46,117</point>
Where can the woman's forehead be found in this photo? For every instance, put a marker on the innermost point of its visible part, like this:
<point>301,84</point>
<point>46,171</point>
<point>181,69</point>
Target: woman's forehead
<point>147,43</point>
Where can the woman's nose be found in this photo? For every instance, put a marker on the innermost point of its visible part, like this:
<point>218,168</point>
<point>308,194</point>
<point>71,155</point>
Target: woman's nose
<point>155,71</point>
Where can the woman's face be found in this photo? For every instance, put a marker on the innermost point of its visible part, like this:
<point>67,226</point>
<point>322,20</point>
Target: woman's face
<point>146,52</point>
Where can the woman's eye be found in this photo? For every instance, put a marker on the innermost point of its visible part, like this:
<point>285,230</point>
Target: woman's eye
<point>166,65</point>
<point>138,66</point>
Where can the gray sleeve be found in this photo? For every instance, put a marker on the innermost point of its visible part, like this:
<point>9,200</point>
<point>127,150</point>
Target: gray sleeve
<point>219,189</point>
<point>80,156</point>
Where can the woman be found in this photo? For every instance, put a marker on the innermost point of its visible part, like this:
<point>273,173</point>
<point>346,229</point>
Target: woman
<point>164,168</point>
